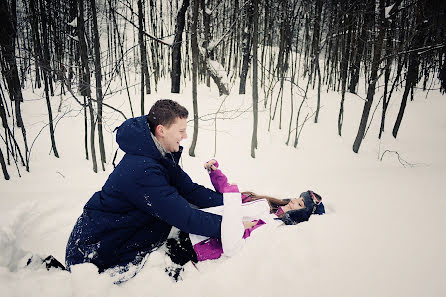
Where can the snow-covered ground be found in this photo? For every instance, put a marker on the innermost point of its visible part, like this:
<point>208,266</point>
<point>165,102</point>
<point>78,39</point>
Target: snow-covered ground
<point>382,234</point>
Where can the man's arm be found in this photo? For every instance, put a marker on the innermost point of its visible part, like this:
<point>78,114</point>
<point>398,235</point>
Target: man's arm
<point>156,197</point>
<point>197,194</point>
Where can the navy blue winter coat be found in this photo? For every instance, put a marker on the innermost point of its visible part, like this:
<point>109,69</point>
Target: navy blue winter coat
<point>144,196</point>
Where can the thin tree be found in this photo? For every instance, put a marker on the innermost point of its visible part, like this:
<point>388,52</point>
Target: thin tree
<point>345,51</point>
<point>84,80</point>
<point>98,80</point>
<point>255,91</point>
<point>373,75</point>
<point>246,40</point>
<point>8,34</point>
<point>5,126</point>
<point>414,62</point>
<point>195,57</point>
<point>145,78</point>
<point>175,74</point>
<point>316,50</point>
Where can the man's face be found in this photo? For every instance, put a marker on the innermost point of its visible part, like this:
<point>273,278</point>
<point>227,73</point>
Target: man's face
<point>170,137</point>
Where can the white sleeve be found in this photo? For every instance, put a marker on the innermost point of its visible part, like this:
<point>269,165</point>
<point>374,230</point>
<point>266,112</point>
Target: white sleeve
<point>232,228</point>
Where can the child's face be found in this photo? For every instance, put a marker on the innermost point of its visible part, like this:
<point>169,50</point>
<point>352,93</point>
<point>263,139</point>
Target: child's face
<point>296,204</point>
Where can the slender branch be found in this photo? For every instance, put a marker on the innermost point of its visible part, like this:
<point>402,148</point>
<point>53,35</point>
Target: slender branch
<point>401,160</point>
<point>94,100</point>
<point>144,32</point>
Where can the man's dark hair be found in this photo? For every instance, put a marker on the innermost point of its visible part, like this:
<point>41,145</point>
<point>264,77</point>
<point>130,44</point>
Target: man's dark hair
<point>164,112</point>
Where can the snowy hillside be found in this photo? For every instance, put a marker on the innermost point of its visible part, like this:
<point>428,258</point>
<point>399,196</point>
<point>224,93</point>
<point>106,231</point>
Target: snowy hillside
<point>383,233</point>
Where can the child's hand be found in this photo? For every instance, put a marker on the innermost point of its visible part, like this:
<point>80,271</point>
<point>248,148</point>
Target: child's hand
<point>249,225</point>
<point>250,194</point>
<point>211,165</point>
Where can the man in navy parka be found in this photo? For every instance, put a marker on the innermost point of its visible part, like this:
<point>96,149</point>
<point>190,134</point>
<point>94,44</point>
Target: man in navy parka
<point>145,195</point>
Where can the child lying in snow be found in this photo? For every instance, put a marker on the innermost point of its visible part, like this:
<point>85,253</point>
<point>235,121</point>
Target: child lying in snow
<point>242,214</point>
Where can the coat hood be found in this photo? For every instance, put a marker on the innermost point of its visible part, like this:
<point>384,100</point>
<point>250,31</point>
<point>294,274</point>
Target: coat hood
<point>133,137</point>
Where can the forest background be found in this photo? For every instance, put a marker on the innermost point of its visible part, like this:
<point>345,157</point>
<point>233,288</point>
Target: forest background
<point>92,50</point>
<point>342,97</point>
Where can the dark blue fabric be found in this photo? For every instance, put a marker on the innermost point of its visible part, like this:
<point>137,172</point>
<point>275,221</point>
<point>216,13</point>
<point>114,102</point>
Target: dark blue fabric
<point>144,196</point>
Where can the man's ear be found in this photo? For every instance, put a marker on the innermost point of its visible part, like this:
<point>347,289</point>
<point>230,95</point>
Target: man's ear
<point>159,130</point>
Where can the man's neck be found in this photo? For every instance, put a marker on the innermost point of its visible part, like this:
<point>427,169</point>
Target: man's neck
<point>158,145</point>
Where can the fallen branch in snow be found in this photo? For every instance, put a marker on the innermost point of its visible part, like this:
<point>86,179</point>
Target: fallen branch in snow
<point>401,160</point>
<point>60,174</point>
<point>216,71</point>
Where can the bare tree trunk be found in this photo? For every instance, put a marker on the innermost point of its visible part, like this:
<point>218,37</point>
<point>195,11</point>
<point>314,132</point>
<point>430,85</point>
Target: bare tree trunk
<point>316,50</point>
<point>356,63</point>
<point>121,49</point>
<point>344,68</point>
<point>142,53</point>
<point>98,80</point>
<point>8,33</point>
<point>5,126</point>
<point>387,95</point>
<point>373,77</point>
<point>86,129</point>
<point>50,114</point>
<point>43,58</point>
<point>255,91</point>
<point>414,62</point>
<point>145,78</point>
<point>143,49</point>
<point>3,164</point>
<point>46,51</point>
<point>195,57</point>
<point>246,46</point>
<point>207,39</point>
<point>85,79</point>
<point>175,74</point>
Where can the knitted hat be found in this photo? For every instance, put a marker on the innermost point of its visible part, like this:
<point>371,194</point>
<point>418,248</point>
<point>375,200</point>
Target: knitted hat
<point>294,217</point>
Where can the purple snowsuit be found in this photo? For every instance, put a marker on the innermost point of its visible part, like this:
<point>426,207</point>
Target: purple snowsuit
<point>212,248</point>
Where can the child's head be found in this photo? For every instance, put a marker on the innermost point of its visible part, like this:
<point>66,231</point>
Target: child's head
<point>300,209</point>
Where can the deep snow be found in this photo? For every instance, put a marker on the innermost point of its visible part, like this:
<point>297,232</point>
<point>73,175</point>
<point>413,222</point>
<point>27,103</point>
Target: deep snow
<point>382,234</point>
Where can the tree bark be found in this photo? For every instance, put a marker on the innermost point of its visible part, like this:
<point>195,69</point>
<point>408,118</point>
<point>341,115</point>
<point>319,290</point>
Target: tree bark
<point>255,91</point>
<point>207,39</point>
<point>356,65</point>
<point>414,62</point>
<point>316,50</point>
<point>246,46</point>
<point>98,81</point>
<point>8,34</point>
<point>3,164</point>
<point>344,68</point>
<point>195,57</point>
<point>84,81</point>
<point>175,74</point>
<point>145,78</point>
<point>373,77</point>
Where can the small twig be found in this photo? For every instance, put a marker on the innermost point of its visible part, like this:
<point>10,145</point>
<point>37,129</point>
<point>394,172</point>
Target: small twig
<point>94,100</point>
<point>401,160</point>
